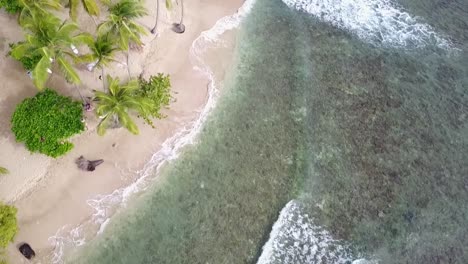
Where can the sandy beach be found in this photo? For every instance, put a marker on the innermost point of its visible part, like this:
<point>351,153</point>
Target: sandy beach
<point>51,193</point>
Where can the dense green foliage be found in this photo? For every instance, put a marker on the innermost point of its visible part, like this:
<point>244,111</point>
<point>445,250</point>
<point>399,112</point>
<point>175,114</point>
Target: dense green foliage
<point>29,60</point>
<point>45,121</point>
<point>8,224</point>
<point>157,89</point>
<point>11,6</point>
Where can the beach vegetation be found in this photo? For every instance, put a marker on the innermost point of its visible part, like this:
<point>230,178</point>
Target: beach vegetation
<point>11,6</point>
<point>54,42</point>
<point>3,171</point>
<point>38,7</point>
<point>8,224</point>
<point>29,60</point>
<point>115,106</point>
<point>103,50</point>
<point>45,122</point>
<point>121,22</point>
<point>157,90</point>
<point>90,6</point>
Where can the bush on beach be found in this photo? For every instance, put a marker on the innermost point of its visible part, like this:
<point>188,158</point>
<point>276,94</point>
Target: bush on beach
<point>8,225</point>
<point>157,90</point>
<point>45,121</point>
<point>11,6</point>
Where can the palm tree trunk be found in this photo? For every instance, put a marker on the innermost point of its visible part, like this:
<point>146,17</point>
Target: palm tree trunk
<point>182,12</point>
<point>180,27</point>
<point>78,90</point>
<point>153,30</point>
<point>102,77</point>
<point>128,65</point>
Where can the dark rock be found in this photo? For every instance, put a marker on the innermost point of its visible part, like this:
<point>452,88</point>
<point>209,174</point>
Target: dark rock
<point>27,251</point>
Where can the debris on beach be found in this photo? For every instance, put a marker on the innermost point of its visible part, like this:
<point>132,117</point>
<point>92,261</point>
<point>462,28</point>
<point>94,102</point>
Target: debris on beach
<point>87,165</point>
<point>27,251</point>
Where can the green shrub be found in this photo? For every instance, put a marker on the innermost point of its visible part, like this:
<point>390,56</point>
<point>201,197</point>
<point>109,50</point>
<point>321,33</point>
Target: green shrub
<point>157,89</point>
<point>8,224</point>
<point>45,121</point>
<point>29,60</point>
<point>11,6</point>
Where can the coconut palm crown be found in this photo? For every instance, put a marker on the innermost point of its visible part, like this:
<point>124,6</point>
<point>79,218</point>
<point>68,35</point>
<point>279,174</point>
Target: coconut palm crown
<point>55,41</point>
<point>118,102</point>
<point>121,22</point>
<point>103,50</point>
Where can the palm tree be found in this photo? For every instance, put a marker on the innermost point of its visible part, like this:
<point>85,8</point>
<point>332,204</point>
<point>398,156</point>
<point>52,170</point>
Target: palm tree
<point>168,6</point>
<point>116,104</point>
<point>90,6</point>
<point>103,50</point>
<point>180,27</point>
<point>121,23</point>
<point>153,30</point>
<point>54,41</point>
<point>3,171</point>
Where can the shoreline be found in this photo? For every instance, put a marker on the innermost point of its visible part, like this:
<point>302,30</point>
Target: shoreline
<point>59,196</point>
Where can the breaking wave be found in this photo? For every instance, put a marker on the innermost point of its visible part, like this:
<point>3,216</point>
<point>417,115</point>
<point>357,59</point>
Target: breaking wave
<point>380,22</point>
<point>295,238</point>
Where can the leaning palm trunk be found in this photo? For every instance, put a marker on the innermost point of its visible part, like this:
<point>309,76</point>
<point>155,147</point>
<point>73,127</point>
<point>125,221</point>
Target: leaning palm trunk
<point>102,78</point>
<point>153,30</point>
<point>128,65</point>
<point>180,27</point>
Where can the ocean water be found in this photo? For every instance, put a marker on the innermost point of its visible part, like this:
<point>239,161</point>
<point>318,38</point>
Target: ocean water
<point>340,136</point>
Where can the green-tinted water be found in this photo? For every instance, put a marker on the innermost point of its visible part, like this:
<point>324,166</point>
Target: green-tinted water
<point>371,140</point>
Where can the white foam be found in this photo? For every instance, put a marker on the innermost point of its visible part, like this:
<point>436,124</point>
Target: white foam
<point>380,22</point>
<point>296,239</point>
<point>105,205</point>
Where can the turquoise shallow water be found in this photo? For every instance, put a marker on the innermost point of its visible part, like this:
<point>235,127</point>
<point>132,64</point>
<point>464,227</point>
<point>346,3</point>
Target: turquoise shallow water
<point>370,139</point>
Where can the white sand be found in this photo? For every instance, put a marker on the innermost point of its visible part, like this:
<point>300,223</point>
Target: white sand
<point>51,193</point>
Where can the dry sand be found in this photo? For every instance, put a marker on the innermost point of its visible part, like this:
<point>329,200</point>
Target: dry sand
<point>51,193</point>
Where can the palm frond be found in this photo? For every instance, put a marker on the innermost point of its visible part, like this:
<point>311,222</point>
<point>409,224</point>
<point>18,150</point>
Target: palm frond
<point>127,122</point>
<point>73,5</point>
<point>91,7</point>
<point>40,74</point>
<point>101,129</point>
<point>68,71</point>
<point>3,171</point>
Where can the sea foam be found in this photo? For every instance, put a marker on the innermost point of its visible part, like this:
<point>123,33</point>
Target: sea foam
<point>380,22</point>
<point>105,205</point>
<point>295,238</point>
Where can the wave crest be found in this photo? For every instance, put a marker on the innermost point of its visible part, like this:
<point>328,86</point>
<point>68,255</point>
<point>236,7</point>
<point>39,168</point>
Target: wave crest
<point>380,22</point>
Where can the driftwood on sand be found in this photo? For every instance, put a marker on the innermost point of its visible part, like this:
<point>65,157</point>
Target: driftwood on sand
<point>87,165</point>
